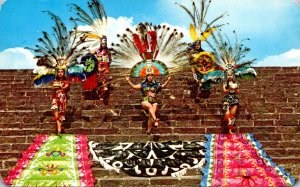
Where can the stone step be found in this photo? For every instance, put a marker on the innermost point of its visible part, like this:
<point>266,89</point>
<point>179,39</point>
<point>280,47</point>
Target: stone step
<point>185,181</point>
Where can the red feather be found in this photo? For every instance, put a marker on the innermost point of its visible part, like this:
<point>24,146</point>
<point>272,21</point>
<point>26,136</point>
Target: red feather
<point>220,68</point>
<point>236,66</point>
<point>153,42</point>
<point>137,42</point>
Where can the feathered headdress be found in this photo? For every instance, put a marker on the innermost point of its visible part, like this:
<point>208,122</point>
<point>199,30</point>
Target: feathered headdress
<point>200,29</point>
<point>150,45</point>
<point>96,19</point>
<point>229,57</point>
<point>59,52</point>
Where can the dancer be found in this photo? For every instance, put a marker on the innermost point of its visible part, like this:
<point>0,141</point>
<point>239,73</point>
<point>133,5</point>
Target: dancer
<point>150,88</point>
<point>56,58</point>
<point>203,66</point>
<point>96,37</point>
<point>104,60</point>
<point>59,98</point>
<point>230,100</point>
<point>230,66</point>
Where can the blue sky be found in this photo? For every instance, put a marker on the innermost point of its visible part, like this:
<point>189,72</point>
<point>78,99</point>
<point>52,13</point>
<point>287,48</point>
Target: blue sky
<point>272,25</point>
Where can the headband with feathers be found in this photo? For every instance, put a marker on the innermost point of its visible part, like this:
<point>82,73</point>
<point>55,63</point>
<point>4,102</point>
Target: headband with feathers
<point>155,45</point>
<point>59,52</point>
<point>96,18</point>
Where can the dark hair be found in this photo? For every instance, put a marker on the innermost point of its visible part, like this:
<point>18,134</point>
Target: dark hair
<point>227,82</point>
<point>101,48</point>
<point>64,77</point>
<point>146,78</point>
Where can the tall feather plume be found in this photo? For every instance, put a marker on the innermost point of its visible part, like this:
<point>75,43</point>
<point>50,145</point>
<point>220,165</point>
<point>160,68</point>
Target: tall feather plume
<point>228,52</point>
<point>96,18</point>
<point>63,44</point>
<point>198,15</point>
<point>169,47</point>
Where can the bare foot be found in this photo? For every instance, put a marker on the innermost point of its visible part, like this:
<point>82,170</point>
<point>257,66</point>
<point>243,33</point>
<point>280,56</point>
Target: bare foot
<point>156,122</point>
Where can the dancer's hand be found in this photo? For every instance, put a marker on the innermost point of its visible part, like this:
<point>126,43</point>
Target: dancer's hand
<point>127,78</point>
<point>169,78</point>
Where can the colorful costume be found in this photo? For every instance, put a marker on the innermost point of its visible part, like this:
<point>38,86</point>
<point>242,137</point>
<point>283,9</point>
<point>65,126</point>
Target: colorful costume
<point>151,46</point>
<point>154,87</point>
<point>60,99</point>
<point>96,37</point>
<point>202,62</point>
<point>231,98</point>
<point>104,59</point>
<point>58,55</point>
<point>229,68</point>
<point>59,52</point>
<point>89,61</point>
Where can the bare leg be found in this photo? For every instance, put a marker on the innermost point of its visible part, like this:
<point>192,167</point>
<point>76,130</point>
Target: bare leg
<point>148,106</point>
<point>58,122</point>
<point>232,112</point>
<point>153,110</point>
<point>150,122</point>
<point>227,117</point>
<point>233,109</point>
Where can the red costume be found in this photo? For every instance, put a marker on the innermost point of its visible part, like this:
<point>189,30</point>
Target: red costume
<point>104,58</point>
<point>59,98</point>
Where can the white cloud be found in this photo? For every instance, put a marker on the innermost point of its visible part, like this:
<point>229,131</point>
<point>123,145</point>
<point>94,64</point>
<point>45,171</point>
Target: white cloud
<point>114,26</point>
<point>289,58</point>
<point>17,58</point>
<point>183,30</point>
<point>119,25</point>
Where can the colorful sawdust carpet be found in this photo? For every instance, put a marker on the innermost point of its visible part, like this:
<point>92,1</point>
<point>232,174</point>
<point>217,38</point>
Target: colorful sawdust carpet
<point>151,158</point>
<point>238,160</point>
<point>54,161</point>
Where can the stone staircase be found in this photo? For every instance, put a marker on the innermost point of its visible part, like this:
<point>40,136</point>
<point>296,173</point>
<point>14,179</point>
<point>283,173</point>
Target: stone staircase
<point>269,108</point>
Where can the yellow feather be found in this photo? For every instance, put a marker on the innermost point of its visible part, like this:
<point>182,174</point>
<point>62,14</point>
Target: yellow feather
<point>41,75</point>
<point>207,33</point>
<point>91,35</point>
<point>193,32</point>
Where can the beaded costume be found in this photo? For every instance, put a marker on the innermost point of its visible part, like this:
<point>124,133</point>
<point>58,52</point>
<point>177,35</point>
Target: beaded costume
<point>154,87</point>
<point>231,98</point>
<point>148,52</point>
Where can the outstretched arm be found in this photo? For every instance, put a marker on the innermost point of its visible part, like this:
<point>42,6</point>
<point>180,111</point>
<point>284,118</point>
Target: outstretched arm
<point>135,86</point>
<point>167,82</point>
